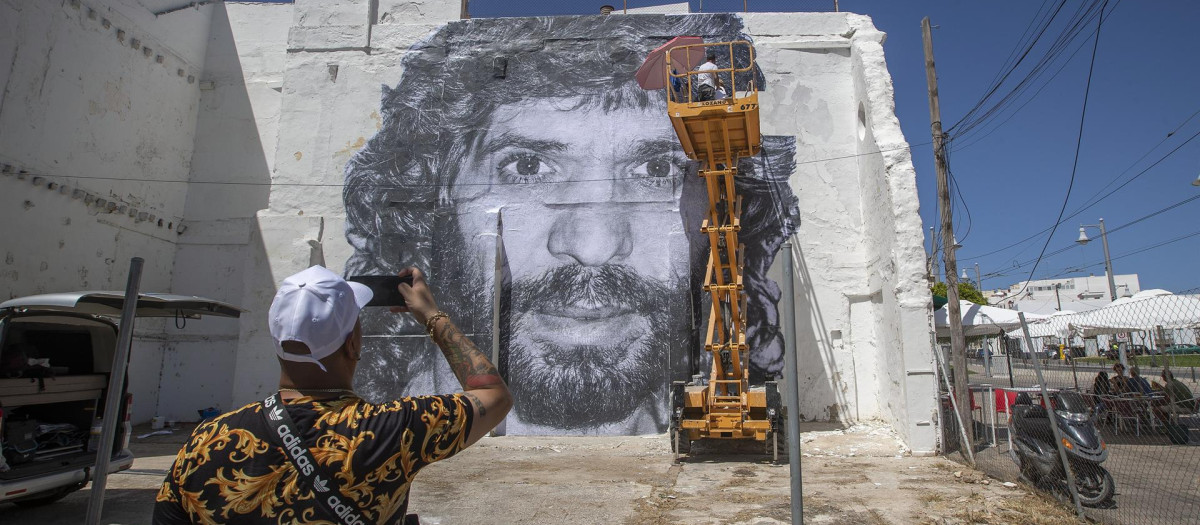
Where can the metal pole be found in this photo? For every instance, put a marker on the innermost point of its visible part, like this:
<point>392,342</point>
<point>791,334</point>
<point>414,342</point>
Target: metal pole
<point>1112,283</point>
<point>978,281</point>
<point>954,405</point>
<point>497,296</point>
<point>933,251</point>
<point>114,399</point>
<point>1012,383</point>
<point>1062,454</point>
<point>958,343</point>
<point>987,357</point>
<point>791,395</point>
<point>1112,289</point>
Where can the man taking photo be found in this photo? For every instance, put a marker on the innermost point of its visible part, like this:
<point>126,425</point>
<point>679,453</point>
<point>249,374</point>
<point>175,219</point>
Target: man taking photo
<point>328,456</point>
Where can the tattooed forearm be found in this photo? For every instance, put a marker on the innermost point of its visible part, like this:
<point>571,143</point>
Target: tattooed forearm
<point>475,401</point>
<point>470,366</point>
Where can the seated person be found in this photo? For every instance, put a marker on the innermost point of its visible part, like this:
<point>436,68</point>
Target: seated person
<point>1100,385</point>
<point>1179,397</point>
<point>1137,383</point>
<point>1120,383</point>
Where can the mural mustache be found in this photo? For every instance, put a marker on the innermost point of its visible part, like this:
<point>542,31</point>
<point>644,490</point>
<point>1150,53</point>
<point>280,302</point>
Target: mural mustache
<point>594,337</point>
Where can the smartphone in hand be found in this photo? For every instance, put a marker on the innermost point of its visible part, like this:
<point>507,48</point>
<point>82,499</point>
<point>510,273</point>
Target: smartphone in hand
<point>384,287</point>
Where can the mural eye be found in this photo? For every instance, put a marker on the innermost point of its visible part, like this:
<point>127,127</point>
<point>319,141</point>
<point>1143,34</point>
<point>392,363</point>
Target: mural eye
<point>523,167</point>
<point>528,165</point>
<point>658,168</point>
<point>657,173</point>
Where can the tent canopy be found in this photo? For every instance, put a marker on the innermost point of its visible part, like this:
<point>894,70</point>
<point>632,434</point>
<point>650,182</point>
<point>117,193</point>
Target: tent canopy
<point>981,320</point>
<point>1146,310</point>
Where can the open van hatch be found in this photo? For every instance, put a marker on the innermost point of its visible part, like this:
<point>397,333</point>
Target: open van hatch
<point>108,304</point>
<point>56,358</point>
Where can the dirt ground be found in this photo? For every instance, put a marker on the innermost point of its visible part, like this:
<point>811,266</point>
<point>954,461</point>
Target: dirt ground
<point>855,476</point>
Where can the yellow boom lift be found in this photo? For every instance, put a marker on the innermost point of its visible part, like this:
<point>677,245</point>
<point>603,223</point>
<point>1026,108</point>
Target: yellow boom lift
<point>717,133</point>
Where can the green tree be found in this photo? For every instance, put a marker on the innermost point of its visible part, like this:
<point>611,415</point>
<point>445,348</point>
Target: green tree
<point>966,292</point>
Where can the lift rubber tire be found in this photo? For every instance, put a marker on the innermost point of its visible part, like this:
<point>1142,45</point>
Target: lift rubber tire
<point>680,442</point>
<point>772,445</point>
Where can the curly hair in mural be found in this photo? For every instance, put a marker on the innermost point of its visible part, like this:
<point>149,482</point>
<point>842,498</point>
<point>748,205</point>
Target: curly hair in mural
<point>533,131</point>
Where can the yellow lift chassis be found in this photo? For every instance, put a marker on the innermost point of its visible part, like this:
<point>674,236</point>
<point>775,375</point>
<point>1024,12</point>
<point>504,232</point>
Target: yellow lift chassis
<point>717,133</point>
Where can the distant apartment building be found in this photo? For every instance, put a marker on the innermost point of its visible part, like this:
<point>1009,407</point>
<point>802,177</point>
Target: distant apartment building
<point>1075,294</point>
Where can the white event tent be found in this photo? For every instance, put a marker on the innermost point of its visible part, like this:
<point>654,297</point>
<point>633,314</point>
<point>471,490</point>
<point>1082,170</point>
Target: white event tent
<point>981,320</point>
<point>1056,324</point>
<point>1146,310</point>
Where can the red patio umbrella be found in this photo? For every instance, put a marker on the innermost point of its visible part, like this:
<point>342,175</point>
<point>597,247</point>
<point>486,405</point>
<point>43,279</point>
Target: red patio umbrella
<point>653,73</point>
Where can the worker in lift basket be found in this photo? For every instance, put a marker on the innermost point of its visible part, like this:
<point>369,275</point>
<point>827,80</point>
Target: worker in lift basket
<point>315,451</point>
<point>711,86</point>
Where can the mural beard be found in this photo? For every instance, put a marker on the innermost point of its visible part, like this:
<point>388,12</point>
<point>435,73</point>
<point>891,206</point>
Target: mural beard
<point>588,345</point>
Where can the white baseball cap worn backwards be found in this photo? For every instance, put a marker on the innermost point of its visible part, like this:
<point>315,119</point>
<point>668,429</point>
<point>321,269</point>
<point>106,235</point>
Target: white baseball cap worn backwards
<point>318,308</point>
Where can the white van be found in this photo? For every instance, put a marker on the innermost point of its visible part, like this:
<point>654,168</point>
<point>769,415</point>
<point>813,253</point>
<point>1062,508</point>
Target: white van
<point>56,353</point>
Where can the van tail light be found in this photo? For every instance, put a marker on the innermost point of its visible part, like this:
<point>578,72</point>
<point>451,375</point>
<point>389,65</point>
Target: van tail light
<point>126,426</point>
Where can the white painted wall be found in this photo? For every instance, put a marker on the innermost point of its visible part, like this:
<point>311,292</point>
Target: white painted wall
<point>250,155</point>
<point>862,304</point>
<point>104,130</point>
<point>240,95</point>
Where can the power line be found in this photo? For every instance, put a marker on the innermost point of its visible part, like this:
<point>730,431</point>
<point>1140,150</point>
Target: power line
<point>1131,253</point>
<point>1097,201</point>
<point>1074,27</point>
<point>977,139</point>
<point>340,185</point>
<point>1078,146</point>
<point>1002,77</point>
<point>1110,232</point>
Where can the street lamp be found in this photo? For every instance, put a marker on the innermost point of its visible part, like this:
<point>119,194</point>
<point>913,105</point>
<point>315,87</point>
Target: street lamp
<point>1083,240</point>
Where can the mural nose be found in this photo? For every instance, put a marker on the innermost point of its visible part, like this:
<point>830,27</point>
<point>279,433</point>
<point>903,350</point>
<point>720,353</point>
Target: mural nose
<point>590,239</point>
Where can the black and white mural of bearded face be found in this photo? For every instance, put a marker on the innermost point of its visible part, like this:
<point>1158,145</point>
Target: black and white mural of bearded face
<point>533,131</point>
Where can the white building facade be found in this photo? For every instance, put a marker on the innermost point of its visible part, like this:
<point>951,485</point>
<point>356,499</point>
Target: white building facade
<point>1072,294</point>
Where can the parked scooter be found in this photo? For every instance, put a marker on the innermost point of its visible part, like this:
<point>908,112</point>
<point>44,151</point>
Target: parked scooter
<point>1035,453</point>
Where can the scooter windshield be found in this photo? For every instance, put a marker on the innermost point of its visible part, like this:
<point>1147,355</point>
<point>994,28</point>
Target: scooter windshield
<point>1070,402</point>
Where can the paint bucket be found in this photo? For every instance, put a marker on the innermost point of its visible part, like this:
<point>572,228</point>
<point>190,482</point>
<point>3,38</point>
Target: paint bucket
<point>156,423</point>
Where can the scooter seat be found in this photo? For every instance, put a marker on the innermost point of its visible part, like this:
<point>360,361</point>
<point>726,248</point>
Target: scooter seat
<point>1032,420</point>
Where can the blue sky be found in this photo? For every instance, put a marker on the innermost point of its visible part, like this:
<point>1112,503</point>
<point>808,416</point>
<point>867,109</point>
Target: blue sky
<point>1013,174</point>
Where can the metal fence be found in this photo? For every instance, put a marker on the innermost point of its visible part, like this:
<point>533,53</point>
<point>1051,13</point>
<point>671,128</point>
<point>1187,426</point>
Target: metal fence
<point>1126,373</point>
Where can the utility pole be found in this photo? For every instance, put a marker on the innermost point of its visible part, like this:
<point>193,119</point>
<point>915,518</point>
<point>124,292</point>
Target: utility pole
<point>978,281</point>
<point>958,344</point>
<point>933,252</point>
<point>1056,297</point>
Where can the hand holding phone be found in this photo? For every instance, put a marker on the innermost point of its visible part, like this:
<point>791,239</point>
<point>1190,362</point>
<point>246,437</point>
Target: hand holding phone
<point>386,288</point>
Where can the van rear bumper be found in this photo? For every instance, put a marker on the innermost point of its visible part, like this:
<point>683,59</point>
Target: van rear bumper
<point>33,485</point>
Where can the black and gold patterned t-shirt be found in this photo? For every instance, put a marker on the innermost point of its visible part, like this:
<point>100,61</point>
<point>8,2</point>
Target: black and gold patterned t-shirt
<point>231,471</point>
